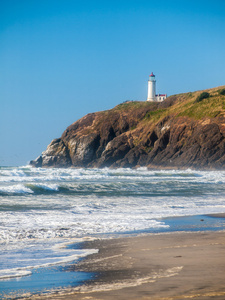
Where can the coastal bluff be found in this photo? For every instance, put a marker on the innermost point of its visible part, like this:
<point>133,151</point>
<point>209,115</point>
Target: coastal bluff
<point>184,131</point>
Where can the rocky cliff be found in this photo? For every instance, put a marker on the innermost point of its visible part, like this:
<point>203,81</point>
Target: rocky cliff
<point>186,130</point>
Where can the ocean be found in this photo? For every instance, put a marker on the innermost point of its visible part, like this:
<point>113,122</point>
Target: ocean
<point>45,213</point>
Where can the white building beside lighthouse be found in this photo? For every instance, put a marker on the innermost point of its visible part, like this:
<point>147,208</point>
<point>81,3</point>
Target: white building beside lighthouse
<point>152,96</point>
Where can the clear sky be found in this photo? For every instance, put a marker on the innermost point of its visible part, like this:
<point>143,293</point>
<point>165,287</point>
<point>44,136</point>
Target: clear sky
<point>62,59</point>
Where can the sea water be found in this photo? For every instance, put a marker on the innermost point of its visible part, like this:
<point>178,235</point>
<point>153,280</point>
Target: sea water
<point>44,211</point>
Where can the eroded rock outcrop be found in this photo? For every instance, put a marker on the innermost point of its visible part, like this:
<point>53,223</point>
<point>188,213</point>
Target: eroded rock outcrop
<point>177,133</point>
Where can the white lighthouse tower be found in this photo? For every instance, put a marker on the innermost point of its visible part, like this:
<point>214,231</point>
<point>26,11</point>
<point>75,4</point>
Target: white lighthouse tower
<point>152,90</point>
<point>151,87</point>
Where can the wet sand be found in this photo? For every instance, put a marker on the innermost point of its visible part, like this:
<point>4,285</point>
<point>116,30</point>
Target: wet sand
<point>166,266</point>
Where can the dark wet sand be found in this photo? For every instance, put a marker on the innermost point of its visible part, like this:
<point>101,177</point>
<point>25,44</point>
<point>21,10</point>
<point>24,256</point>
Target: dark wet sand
<point>180,265</point>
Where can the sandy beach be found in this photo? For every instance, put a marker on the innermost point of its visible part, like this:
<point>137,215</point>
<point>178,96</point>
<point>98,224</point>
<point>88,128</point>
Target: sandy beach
<point>180,265</point>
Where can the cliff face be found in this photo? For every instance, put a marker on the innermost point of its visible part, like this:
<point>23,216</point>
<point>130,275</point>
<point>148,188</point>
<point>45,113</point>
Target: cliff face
<point>183,131</point>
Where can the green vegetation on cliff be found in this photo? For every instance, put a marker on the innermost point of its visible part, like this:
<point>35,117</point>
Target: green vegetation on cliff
<point>196,105</point>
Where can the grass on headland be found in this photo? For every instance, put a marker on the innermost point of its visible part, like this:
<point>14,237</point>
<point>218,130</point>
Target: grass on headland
<point>211,107</point>
<point>197,105</point>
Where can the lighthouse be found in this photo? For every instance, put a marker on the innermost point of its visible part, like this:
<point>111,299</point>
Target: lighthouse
<point>152,90</point>
<point>151,87</point>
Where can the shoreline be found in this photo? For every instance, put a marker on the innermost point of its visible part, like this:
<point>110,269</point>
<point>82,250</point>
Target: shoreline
<point>166,265</point>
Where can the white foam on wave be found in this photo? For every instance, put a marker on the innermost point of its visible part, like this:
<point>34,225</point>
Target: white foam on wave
<point>16,189</point>
<point>29,174</point>
<point>72,216</point>
<point>53,260</point>
<point>52,224</point>
<point>13,273</point>
<point>48,187</point>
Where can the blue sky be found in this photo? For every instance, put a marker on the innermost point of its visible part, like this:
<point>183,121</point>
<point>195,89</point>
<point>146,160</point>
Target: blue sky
<point>62,59</point>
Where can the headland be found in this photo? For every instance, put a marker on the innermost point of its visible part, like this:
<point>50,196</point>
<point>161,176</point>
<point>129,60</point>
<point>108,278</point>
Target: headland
<point>184,131</point>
